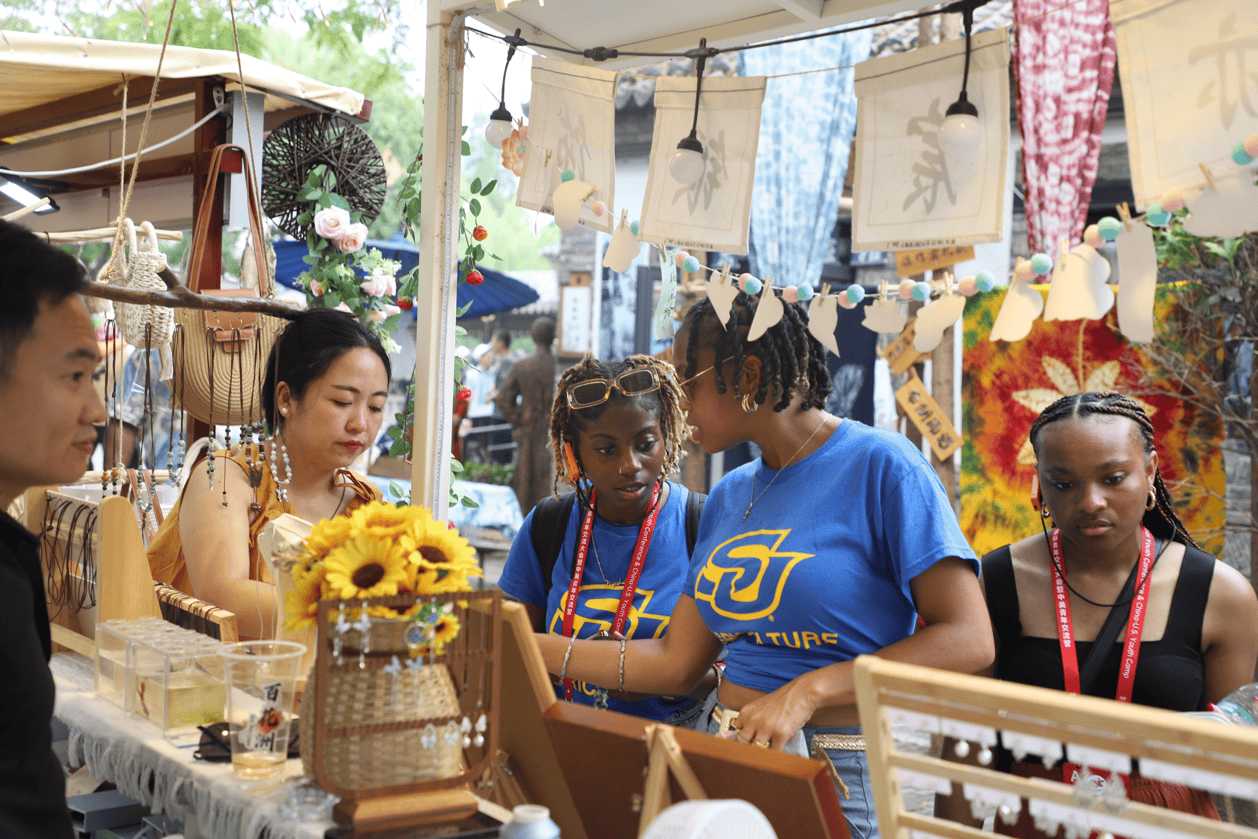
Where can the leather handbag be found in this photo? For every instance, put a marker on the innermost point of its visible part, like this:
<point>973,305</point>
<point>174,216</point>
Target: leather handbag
<point>220,356</point>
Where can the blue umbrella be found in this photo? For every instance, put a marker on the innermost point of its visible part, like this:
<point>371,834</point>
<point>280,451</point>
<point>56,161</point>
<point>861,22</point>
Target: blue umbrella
<point>499,292</point>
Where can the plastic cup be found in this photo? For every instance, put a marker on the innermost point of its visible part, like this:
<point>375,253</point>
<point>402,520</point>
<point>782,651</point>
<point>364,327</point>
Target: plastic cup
<point>261,680</point>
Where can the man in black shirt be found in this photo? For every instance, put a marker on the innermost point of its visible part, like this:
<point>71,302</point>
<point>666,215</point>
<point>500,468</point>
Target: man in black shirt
<point>48,410</point>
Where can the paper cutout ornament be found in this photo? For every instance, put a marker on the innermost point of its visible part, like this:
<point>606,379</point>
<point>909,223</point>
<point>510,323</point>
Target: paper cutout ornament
<point>722,291</point>
<point>567,201</point>
<point>823,319</point>
<point>883,315</point>
<point>1078,289</point>
<point>1021,306</point>
<point>1138,258</point>
<point>623,247</point>
<point>1228,210</point>
<point>933,319</point>
<point>768,312</point>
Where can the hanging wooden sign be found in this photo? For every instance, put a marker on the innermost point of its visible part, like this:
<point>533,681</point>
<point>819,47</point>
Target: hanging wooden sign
<point>899,354</point>
<point>926,415</point>
<point>930,259</point>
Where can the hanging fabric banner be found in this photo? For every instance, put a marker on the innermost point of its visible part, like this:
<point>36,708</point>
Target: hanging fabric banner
<point>1189,92</point>
<point>572,126</point>
<point>906,194</point>
<point>1063,60</point>
<point>711,214</point>
<point>802,156</point>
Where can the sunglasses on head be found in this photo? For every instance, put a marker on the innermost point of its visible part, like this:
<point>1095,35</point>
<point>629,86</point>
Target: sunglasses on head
<point>593,392</point>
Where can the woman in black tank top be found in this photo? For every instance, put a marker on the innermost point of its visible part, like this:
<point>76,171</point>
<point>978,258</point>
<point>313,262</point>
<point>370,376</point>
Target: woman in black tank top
<point>1116,540</point>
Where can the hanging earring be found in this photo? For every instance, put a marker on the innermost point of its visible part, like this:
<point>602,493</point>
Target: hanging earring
<point>338,639</point>
<point>209,457</point>
<point>749,404</point>
<point>394,669</point>
<point>482,722</point>
<point>281,484</point>
<point>363,625</point>
<point>572,470</point>
<point>451,733</point>
<point>1152,502</point>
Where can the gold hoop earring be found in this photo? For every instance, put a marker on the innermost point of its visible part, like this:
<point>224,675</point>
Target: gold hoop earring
<point>1044,513</point>
<point>749,404</point>
<point>1152,502</point>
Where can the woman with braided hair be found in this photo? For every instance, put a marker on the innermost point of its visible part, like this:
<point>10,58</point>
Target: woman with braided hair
<point>617,549</point>
<point>828,547</point>
<point>1149,617</point>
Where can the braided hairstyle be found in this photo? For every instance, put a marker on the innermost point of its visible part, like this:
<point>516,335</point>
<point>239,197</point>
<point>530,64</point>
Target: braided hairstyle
<point>791,359</point>
<point>665,402</point>
<point>1161,520</point>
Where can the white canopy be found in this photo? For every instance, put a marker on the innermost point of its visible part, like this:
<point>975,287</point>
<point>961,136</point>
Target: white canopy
<point>40,70</point>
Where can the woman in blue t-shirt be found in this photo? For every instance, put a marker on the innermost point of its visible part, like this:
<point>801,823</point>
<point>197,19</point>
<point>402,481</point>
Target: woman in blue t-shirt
<point>617,548</point>
<point>828,547</point>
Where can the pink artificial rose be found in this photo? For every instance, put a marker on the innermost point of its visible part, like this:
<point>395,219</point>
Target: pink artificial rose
<point>317,288</point>
<point>353,239</point>
<point>379,285</point>
<point>386,311</point>
<point>332,223</point>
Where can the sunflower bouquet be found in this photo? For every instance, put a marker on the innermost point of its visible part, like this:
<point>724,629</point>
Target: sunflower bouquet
<point>381,550</point>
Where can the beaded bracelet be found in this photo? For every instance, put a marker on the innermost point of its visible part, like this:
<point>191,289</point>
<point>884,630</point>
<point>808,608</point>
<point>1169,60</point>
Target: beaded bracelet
<point>563,671</point>
<point>623,641</point>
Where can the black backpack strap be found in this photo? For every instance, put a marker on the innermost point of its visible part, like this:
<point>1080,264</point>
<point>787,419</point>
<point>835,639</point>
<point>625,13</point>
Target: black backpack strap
<point>550,525</point>
<point>694,509</point>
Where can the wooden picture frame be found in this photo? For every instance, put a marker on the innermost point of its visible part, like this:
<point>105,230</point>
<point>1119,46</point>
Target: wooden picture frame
<point>591,766</point>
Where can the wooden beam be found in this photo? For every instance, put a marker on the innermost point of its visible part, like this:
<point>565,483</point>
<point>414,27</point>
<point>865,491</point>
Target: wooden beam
<point>102,102</point>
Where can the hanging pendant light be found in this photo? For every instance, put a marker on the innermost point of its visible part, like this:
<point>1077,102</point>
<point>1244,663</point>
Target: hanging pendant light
<point>961,135</point>
<point>499,128</point>
<point>686,164</point>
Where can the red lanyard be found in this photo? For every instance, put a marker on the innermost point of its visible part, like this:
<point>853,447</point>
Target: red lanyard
<point>1135,626</point>
<point>631,580</point>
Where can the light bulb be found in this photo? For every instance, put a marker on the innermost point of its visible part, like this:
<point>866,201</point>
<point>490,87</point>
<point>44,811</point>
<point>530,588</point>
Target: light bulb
<point>499,128</point>
<point>686,164</point>
<point>961,135</point>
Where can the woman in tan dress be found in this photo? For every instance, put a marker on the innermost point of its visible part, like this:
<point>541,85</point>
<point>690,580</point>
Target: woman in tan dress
<point>326,383</point>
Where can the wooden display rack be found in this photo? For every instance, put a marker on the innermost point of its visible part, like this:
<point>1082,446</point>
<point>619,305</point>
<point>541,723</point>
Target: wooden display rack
<point>1096,732</point>
<point>607,775</point>
<point>476,649</point>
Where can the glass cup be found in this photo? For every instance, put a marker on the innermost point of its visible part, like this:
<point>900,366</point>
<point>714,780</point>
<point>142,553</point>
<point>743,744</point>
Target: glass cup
<point>261,680</point>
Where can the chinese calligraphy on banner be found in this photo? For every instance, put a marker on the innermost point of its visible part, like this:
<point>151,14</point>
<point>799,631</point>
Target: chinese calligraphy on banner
<point>1189,91</point>
<point>906,194</point>
<point>572,125</point>
<point>713,213</point>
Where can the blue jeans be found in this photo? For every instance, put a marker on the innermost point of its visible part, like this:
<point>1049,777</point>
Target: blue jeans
<point>851,766</point>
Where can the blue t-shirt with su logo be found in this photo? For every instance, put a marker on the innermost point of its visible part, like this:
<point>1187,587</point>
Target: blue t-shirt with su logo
<point>661,583</point>
<point>820,570</point>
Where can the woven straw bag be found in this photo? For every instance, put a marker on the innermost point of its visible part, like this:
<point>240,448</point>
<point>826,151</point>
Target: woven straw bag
<point>220,357</point>
<point>149,327</point>
<point>360,698</point>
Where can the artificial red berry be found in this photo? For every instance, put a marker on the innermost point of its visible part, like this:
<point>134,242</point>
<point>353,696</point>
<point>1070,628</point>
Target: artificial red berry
<point>405,303</point>
<point>480,234</point>
<point>464,394</point>
<point>475,277</point>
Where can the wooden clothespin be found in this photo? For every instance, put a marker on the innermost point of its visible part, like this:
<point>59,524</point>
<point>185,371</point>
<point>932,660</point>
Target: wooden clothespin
<point>624,217</point>
<point>1205,170</point>
<point>882,289</point>
<point>1064,244</point>
<point>546,162</point>
<point>825,290</point>
<point>1124,213</point>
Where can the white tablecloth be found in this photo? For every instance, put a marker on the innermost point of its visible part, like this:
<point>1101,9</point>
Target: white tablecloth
<point>134,755</point>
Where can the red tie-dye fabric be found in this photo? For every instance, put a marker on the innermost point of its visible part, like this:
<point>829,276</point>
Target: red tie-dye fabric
<point>1063,60</point>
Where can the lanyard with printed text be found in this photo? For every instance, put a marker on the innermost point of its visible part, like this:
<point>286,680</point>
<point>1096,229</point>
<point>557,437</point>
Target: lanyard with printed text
<point>1135,626</point>
<point>631,580</point>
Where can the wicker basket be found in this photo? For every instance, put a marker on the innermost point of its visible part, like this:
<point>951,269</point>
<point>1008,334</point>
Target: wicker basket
<point>370,730</point>
<point>367,697</point>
